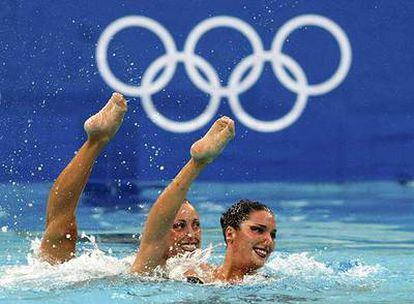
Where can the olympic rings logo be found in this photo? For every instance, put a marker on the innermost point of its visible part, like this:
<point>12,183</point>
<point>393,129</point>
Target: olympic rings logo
<point>237,84</point>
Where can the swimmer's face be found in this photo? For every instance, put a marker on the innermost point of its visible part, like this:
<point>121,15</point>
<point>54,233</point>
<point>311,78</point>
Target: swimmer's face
<point>254,241</point>
<point>185,234</point>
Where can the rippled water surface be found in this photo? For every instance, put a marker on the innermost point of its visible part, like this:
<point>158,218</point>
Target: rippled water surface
<point>335,243</point>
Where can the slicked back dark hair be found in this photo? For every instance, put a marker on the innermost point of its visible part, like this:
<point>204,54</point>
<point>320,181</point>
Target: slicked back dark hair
<point>239,212</point>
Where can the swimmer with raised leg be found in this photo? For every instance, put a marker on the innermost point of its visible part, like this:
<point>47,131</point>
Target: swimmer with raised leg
<point>249,227</point>
<point>173,225</point>
<point>59,240</point>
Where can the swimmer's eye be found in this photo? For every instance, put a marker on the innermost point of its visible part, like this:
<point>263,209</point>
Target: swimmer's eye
<point>179,225</point>
<point>257,229</point>
<point>196,224</point>
<point>273,235</point>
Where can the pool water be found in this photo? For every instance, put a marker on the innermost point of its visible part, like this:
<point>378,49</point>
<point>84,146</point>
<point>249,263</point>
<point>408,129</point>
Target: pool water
<point>349,243</point>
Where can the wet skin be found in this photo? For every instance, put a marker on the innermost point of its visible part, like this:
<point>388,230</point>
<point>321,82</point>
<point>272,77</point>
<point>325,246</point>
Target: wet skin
<point>254,241</point>
<point>164,234</point>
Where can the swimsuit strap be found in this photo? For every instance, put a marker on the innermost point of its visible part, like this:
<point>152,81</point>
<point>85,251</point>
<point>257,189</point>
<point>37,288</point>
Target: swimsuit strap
<point>194,280</point>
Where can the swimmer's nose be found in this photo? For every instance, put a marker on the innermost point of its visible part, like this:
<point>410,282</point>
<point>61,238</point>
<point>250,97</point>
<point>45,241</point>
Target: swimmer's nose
<point>191,232</point>
<point>268,239</point>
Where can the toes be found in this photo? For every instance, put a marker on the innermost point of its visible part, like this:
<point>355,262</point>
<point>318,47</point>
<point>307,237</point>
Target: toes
<point>117,94</point>
<point>225,119</point>
<point>119,101</point>
<point>229,125</point>
<point>222,123</point>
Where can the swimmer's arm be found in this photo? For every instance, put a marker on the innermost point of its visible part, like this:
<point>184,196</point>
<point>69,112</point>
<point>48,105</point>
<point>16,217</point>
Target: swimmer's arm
<point>153,248</point>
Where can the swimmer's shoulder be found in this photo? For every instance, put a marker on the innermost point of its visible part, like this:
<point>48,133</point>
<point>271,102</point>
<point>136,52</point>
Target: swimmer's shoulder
<point>204,274</point>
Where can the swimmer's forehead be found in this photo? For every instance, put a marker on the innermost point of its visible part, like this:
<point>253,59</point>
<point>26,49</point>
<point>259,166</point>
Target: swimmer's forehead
<point>187,210</point>
<point>262,218</point>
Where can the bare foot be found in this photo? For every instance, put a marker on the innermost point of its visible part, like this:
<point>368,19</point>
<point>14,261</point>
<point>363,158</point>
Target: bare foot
<point>206,149</point>
<point>103,125</point>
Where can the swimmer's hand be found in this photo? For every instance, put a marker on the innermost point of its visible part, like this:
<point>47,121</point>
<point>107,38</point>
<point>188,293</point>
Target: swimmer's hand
<point>206,149</point>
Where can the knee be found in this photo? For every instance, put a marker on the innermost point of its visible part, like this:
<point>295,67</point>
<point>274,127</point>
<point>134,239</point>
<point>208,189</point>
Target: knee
<point>62,229</point>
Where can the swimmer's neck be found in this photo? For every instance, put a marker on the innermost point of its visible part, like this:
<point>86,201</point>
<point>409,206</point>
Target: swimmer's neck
<point>228,272</point>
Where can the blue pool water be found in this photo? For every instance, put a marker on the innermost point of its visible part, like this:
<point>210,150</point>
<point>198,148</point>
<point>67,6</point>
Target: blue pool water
<point>349,243</point>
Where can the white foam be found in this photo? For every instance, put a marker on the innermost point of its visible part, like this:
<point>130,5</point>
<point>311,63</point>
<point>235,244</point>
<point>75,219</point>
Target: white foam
<point>40,275</point>
<point>302,270</point>
<point>296,269</point>
<point>176,267</point>
<point>92,264</point>
<point>363,271</point>
<point>297,264</point>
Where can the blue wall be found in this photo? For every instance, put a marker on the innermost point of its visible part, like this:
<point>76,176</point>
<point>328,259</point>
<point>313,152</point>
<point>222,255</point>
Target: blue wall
<point>362,129</point>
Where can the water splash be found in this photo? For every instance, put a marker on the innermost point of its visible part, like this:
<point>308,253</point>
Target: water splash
<point>297,264</point>
<point>287,271</point>
<point>41,276</point>
<point>303,271</point>
<point>177,267</point>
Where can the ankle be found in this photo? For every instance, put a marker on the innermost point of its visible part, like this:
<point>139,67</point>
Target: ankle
<point>97,141</point>
<point>200,163</point>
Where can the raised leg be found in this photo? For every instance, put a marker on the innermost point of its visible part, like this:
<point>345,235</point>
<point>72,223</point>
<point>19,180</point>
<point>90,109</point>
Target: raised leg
<point>59,240</point>
<point>155,241</point>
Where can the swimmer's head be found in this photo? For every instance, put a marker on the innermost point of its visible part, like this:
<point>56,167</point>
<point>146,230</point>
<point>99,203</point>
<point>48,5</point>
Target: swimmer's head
<point>185,234</point>
<point>249,230</point>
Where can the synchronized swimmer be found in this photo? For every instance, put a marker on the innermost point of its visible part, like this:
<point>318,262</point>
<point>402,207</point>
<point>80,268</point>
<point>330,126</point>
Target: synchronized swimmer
<point>173,224</point>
